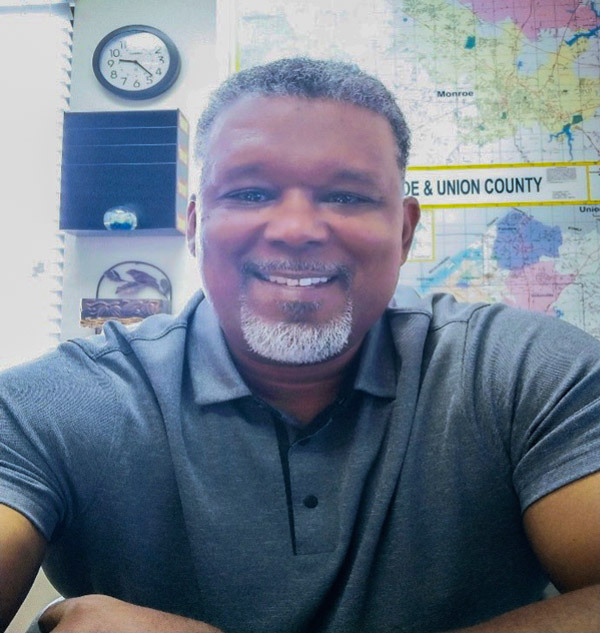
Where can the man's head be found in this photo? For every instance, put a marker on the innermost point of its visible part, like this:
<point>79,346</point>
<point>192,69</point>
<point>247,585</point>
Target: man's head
<point>303,225</point>
<point>308,79</point>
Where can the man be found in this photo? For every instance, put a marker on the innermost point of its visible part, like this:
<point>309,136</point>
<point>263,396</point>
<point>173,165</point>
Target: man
<point>307,449</point>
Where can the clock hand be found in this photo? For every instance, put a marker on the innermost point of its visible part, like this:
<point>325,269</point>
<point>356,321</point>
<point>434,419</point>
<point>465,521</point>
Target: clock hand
<point>135,61</point>
<point>144,69</point>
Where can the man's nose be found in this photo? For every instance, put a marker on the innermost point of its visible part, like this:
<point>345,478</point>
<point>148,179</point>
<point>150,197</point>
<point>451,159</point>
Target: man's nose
<point>296,220</point>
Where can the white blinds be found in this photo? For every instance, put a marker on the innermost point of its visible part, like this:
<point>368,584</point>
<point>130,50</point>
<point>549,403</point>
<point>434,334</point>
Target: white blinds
<point>35,56</point>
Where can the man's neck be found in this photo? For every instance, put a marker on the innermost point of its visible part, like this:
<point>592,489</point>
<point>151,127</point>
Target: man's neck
<point>299,390</point>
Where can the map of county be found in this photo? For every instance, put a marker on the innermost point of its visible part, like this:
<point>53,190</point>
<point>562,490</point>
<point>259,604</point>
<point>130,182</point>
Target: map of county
<point>482,83</point>
<point>544,258</point>
<point>522,241</point>
<point>501,85</point>
<point>555,15</point>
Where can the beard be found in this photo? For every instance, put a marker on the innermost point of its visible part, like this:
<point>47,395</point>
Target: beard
<point>293,342</point>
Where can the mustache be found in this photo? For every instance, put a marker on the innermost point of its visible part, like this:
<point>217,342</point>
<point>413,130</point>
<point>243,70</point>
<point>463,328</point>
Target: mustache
<point>317,268</point>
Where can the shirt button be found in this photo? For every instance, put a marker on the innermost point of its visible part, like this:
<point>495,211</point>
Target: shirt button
<point>311,501</point>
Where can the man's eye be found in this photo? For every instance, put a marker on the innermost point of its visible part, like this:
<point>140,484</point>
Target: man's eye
<point>341,197</point>
<point>248,195</point>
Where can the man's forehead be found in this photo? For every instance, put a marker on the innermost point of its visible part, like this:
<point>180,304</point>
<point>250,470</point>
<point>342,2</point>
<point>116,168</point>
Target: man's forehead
<point>332,171</point>
<point>244,135</point>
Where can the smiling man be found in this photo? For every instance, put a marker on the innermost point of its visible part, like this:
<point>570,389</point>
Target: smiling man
<point>307,447</point>
<point>303,232</point>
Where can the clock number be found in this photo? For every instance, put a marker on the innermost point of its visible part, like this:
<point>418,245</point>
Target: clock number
<point>115,52</point>
<point>158,50</point>
<point>124,80</point>
<point>149,79</point>
<point>111,62</point>
<point>113,74</point>
<point>158,71</point>
<point>161,59</point>
<point>136,84</point>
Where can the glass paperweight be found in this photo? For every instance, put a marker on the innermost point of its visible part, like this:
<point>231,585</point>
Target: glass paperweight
<point>119,219</point>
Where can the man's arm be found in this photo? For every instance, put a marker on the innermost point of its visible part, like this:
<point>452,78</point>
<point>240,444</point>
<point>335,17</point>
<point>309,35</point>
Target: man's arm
<point>574,612</point>
<point>563,527</point>
<point>22,549</point>
<point>564,530</point>
<point>103,614</point>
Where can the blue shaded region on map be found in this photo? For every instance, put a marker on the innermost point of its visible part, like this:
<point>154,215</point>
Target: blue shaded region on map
<point>569,135</point>
<point>521,241</point>
<point>589,33</point>
<point>450,265</point>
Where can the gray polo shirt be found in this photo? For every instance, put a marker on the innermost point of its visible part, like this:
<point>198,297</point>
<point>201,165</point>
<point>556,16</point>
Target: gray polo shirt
<point>157,477</point>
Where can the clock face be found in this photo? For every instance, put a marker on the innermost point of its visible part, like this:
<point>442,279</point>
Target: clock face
<point>136,62</point>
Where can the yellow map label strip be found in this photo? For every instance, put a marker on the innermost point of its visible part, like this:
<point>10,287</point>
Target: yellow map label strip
<point>505,185</point>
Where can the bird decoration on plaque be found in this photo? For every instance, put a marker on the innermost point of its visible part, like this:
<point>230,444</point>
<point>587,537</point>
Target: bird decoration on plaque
<point>127,292</point>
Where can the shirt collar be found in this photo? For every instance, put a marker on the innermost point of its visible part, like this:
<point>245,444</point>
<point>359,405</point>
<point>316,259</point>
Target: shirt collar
<point>213,375</point>
<point>379,364</point>
<point>215,378</point>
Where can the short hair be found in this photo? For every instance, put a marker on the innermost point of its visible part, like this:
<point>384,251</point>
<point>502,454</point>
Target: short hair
<point>311,79</point>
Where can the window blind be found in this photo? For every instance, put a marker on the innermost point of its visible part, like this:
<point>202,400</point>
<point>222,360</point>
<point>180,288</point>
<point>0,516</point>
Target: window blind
<point>35,46</point>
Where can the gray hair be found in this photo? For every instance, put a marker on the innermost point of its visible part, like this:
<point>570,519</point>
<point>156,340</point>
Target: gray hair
<point>311,79</point>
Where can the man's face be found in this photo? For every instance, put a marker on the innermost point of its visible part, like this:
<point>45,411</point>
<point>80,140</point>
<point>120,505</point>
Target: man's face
<point>303,226</point>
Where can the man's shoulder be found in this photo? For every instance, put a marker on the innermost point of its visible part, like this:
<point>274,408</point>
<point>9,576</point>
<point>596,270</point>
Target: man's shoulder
<point>119,350</point>
<point>440,309</point>
<point>482,320</point>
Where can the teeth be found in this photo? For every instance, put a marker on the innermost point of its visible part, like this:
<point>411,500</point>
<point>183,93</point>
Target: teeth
<point>304,281</point>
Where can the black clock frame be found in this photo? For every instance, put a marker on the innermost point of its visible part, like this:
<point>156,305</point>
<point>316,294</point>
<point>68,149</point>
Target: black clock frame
<point>147,93</point>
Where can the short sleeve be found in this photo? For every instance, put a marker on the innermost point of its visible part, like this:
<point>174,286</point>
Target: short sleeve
<point>535,386</point>
<point>55,416</point>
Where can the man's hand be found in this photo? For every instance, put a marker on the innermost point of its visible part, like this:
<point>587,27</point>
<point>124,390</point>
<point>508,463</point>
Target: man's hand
<point>103,614</point>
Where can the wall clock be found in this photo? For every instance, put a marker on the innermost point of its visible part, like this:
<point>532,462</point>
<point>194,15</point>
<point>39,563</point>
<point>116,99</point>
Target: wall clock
<point>136,62</point>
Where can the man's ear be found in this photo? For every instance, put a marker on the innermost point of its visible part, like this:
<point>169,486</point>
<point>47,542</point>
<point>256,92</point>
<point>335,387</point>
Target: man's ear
<point>412,214</point>
<point>191,225</point>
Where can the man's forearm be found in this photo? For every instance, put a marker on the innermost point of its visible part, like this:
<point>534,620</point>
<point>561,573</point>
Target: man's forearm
<point>103,614</point>
<point>573,612</point>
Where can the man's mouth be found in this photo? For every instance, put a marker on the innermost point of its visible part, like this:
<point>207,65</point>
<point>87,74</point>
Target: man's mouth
<point>296,281</point>
<point>296,274</point>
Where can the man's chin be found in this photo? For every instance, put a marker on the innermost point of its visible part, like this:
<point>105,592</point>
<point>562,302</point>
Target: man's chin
<point>294,341</point>
<point>300,311</point>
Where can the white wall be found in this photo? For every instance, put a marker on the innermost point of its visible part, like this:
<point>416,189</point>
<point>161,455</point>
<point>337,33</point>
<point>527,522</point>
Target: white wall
<point>191,25</point>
